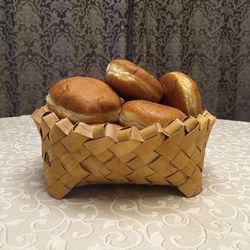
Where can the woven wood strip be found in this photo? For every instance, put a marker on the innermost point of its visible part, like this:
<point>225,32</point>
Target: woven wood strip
<point>80,154</point>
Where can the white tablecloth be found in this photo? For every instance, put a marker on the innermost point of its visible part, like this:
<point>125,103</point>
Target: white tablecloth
<point>125,217</point>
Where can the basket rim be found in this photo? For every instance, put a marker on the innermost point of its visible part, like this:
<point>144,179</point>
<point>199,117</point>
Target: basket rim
<point>97,131</point>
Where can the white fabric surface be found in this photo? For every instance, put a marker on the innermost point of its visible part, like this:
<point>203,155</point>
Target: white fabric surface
<point>125,217</point>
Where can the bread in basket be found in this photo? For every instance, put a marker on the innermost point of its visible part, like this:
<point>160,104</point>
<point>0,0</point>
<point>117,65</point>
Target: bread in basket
<point>157,145</point>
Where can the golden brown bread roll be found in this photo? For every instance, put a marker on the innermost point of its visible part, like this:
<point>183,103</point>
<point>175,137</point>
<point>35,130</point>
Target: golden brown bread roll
<point>84,99</point>
<point>132,82</point>
<point>142,113</point>
<point>180,91</point>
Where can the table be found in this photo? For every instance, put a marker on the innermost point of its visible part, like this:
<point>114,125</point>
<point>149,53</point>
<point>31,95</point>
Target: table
<point>125,217</point>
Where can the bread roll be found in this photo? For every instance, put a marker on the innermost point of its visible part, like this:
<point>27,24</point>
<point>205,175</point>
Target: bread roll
<point>84,99</point>
<point>142,113</point>
<point>132,82</point>
<point>181,92</point>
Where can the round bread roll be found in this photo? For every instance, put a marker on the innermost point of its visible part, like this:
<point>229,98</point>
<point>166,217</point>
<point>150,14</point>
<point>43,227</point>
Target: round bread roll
<point>142,113</point>
<point>181,92</point>
<point>132,82</point>
<point>84,99</point>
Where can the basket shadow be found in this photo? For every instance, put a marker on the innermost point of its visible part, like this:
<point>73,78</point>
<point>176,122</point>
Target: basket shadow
<point>130,191</point>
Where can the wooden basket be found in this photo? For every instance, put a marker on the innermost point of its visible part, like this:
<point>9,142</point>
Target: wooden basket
<point>81,154</point>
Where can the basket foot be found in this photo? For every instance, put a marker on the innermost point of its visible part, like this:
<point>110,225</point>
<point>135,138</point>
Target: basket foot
<point>58,190</point>
<point>190,187</point>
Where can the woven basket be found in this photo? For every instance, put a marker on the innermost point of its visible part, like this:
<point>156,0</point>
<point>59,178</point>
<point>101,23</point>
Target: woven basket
<point>80,154</point>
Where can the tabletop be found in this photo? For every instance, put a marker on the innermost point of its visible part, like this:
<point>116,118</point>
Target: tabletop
<point>130,216</point>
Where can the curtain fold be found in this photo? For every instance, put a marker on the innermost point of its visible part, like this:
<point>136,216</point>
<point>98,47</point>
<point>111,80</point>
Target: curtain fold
<point>43,41</point>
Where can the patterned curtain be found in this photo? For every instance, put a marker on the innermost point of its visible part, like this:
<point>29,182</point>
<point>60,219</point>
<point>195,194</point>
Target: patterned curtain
<point>43,41</point>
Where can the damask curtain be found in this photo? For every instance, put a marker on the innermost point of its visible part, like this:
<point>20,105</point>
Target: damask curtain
<point>43,41</point>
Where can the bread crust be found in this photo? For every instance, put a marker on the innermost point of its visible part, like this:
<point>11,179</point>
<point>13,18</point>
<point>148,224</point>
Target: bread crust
<point>181,91</point>
<point>132,82</point>
<point>84,99</point>
<point>143,113</point>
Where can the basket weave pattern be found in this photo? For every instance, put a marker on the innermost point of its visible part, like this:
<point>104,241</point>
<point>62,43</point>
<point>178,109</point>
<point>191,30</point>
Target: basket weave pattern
<point>80,154</point>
